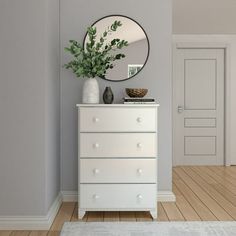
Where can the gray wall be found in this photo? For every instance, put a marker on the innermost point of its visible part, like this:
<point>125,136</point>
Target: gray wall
<point>155,16</point>
<point>52,88</point>
<point>25,100</point>
<point>204,16</point>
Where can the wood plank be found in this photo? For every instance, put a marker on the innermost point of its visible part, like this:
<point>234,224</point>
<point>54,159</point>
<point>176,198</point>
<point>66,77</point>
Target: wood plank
<point>175,176</point>
<point>95,216</point>
<point>5,232</point>
<point>54,233</point>
<point>74,216</point>
<point>143,216</point>
<point>225,171</point>
<point>217,186</point>
<point>219,179</point>
<point>185,208</point>
<point>208,178</point>
<point>201,209</point>
<point>161,213</point>
<point>215,208</point>
<point>110,216</point>
<point>64,214</point>
<point>172,211</point>
<point>176,191</point>
<point>39,233</point>
<point>220,199</point>
<point>224,175</point>
<point>232,169</point>
<point>226,193</point>
<point>229,170</point>
<point>127,216</point>
<point>20,233</point>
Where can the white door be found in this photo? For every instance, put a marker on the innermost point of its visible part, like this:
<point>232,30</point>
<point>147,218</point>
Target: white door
<point>198,107</point>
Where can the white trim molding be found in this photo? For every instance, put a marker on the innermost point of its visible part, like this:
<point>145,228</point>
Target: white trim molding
<point>162,196</point>
<point>188,45</point>
<point>32,222</point>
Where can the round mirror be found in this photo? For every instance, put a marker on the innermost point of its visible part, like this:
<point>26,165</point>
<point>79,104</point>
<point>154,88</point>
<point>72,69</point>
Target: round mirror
<point>134,50</point>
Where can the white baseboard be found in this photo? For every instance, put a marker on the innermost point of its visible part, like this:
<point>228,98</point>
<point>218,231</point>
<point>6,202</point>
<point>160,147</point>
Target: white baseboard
<point>32,222</point>
<point>166,196</point>
<point>162,196</point>
<point>69,196</point>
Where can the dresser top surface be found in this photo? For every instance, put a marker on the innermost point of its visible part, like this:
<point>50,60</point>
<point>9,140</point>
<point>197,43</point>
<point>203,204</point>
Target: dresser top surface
<point>119,105</point>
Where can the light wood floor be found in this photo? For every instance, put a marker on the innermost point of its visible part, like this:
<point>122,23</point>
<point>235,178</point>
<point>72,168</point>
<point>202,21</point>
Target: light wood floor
<point>202,194</point>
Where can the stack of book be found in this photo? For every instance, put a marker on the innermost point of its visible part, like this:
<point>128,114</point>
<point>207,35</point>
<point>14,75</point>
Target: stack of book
<point>128,100</point>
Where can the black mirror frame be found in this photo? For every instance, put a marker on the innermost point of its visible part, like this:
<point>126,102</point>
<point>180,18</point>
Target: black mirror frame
<point>146,38</point>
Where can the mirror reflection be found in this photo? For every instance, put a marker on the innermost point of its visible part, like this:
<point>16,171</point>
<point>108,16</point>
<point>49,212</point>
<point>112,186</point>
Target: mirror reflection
<point>136,53</point>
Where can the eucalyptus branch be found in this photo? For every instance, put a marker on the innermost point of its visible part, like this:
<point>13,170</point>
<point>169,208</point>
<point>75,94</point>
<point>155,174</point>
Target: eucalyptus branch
<point>96,57</point>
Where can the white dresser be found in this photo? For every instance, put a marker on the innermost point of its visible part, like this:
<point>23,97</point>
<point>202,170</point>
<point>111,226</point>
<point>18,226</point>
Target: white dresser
<point>117,158</point>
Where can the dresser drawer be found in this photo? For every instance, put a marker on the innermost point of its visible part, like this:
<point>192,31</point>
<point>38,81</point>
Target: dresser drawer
<point>118,171</point>
<point>118,145</point>
<point>118,196</point>
<point>118,119</point>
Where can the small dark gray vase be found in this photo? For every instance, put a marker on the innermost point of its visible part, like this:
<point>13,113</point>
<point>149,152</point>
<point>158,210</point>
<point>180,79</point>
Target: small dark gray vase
<point>108,96</point>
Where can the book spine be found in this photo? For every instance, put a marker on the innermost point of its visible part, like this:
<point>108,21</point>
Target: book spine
<point>139,102</point>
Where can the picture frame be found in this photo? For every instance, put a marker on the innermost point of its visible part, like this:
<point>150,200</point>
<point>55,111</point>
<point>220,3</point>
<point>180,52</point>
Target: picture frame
<point>133,69</point>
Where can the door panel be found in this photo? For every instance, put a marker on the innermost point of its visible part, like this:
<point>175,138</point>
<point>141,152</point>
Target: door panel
<point>200,145</point>
<point>200,78</point>
<point>200,122</point>
<point>198,107</point>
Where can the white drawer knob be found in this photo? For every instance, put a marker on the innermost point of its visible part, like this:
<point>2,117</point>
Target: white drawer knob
<point>139,119</point>
<point>96,171</point>
<point>95,196</point>
<point>96,145</point>
<point>95,120</point>
<point>139,196</point>
<point>139,145</point>
<point>140,171</point>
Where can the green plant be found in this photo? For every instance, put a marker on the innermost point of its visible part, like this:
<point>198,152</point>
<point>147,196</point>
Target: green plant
<point>98,56</point>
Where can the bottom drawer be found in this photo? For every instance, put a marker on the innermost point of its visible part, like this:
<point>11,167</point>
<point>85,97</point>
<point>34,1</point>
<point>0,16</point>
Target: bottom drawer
<point>118,196</point>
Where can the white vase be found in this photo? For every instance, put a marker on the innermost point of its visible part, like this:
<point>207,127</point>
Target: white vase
<point>90,91</point>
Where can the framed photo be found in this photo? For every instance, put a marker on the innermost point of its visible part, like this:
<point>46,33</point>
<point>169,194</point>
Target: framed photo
<point>134,69</point>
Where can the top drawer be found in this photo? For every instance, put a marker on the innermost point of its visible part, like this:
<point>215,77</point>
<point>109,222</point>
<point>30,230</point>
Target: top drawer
<point>117,119</point>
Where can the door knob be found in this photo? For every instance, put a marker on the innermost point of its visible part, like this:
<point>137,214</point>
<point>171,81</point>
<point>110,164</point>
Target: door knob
<point>180,109</point>
<point>139,145</point>
<point>95,120</point>
<point>96,171</point>
<point>95,196</point>
<point>96,145</point>
<point>140,171</point>
<point>139,119</point>
<point>139,196</point>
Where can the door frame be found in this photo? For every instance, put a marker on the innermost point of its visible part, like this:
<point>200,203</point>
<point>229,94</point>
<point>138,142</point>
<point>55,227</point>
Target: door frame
<point>227,97</point>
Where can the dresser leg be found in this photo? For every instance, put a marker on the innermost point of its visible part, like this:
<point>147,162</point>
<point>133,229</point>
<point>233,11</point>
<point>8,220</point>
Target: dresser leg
<point>154,214</point>
<point>81,214</point>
